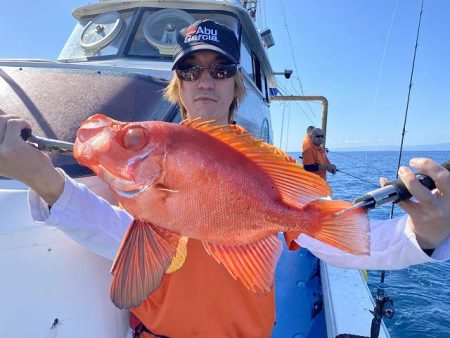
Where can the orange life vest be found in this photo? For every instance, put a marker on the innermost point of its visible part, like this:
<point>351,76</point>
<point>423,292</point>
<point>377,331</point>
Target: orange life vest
<point>314,154</point>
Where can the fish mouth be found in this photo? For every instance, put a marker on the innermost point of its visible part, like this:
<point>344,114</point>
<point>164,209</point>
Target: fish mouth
<point>123,186</point>
<point>123,183</point>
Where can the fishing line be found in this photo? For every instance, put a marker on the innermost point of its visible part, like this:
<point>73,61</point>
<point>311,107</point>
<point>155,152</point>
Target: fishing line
<point>292,51</point>
<point>359,178</point>
<point>295,90</point>
<point>288,128</point>
<point>282,125</point>
<point>263,8</point>
<point>380,69</point>
<point>346,173</point>
<point>384,305</point>
<point>358,160</point>
<point>285,93</point>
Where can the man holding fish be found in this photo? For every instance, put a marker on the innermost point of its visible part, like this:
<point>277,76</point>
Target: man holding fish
<point>205,192</point>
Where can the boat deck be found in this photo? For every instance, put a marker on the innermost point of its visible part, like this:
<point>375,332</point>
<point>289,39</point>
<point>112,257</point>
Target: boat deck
<point>298,296</point>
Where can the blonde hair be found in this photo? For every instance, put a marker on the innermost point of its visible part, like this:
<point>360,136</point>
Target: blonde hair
<point>172,94</point>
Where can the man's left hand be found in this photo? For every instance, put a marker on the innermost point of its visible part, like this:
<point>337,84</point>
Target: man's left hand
<point>429,216</point>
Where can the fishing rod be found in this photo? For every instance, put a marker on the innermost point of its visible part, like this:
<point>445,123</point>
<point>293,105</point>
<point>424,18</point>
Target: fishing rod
<point>46,144</point>
<point>380,310</point>
<point>358,178</point>
<point>348,174</point>
<point>394,191</point>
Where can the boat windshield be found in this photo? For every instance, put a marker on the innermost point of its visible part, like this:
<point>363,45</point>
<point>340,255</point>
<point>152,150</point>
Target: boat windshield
<point>144,33</point>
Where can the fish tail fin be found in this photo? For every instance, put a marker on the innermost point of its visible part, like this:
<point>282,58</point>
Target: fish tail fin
<point>144,255</point>
<point>349,231</point>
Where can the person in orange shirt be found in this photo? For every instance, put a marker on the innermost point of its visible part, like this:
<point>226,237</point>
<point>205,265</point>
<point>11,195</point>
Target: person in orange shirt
<point>201,299</point>
<point>307,139</point>
<point>314,156</point>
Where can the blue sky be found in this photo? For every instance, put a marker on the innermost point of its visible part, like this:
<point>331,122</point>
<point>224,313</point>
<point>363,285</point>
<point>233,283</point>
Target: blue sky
<point>338,48</point>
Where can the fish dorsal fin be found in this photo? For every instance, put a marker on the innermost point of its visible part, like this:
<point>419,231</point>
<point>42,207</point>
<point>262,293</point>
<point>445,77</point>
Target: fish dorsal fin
<point>252,264</point>
<point>296,185</point>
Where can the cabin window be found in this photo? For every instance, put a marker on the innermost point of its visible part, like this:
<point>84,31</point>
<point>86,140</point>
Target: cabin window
<point>246,59</point>
<point>138,32</point>
<point>257,71</point>
<point>97,36</point>
<point>252,67</point>
<point>155,36</point>
<point>264,87</point>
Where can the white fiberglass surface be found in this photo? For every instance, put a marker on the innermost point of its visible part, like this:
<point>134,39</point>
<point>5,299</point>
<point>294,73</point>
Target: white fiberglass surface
<point>50,286</point>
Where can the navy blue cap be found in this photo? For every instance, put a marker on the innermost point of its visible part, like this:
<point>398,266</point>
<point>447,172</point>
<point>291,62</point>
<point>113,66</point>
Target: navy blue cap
<point>206,35</point>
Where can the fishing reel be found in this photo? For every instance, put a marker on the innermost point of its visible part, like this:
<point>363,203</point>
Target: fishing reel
<point>387,308</point>
<point>384,308</point>
<point>384,305</point>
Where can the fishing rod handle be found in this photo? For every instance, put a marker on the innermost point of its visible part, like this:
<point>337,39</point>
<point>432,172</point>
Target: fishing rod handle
<point>403,192</point>
<point>46,144</point>
<point>395,191</point>
<point>25,134</point>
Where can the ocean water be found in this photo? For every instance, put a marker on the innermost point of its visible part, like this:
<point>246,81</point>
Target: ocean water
<point>421,293</point>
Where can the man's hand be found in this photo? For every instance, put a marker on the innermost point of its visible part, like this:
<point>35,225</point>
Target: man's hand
<point>331,168</point>
<point>22,162</point>
<point>429,217</point>
<point>328,167</point>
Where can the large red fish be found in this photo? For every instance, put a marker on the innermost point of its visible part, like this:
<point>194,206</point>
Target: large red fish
<point>217,184</point>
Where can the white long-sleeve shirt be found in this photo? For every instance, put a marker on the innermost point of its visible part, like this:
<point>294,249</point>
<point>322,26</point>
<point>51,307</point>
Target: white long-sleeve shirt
<point>94,223</point>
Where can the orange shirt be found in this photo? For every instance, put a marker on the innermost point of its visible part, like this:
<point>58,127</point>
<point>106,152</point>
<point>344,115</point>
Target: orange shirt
<point>201,299</point>
<point>315,155</point>
<point>306,142</point>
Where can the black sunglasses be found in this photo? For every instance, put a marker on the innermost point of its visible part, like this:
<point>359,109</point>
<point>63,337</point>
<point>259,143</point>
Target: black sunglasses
<point>318,136</point>
<point>216,70</point>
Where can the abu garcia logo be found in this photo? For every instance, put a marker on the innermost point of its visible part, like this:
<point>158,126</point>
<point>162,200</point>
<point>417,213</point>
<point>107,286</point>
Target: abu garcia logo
<point>201,34</point>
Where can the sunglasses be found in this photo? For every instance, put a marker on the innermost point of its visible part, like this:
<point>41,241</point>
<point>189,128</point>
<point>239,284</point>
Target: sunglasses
<point>217,71</point>
<point>318,136</point>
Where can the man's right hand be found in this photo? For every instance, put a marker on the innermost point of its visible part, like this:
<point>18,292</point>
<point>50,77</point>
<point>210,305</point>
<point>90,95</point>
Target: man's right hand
<point>23,162</point>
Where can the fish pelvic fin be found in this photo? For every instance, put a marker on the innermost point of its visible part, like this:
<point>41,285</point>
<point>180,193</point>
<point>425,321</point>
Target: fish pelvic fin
<point>296,186</point>
<point>252,264</point>
<point>349,232</point>
<point>180,256</point>
<point>144,255</point>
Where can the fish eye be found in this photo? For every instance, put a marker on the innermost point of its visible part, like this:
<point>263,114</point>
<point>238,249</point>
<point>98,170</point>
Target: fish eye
<point>133,137</point>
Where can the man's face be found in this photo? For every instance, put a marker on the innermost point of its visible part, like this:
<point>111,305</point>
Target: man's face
<point>317,136</point>
<point>207,97</point>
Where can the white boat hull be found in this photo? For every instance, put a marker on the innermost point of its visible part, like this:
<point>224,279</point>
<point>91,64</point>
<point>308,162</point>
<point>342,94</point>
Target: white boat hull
<point>50,285</point>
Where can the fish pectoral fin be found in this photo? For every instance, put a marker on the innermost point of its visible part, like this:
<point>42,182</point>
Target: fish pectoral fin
<point>253,264</point>
<point>144,255</point>
<point>180,255</point>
